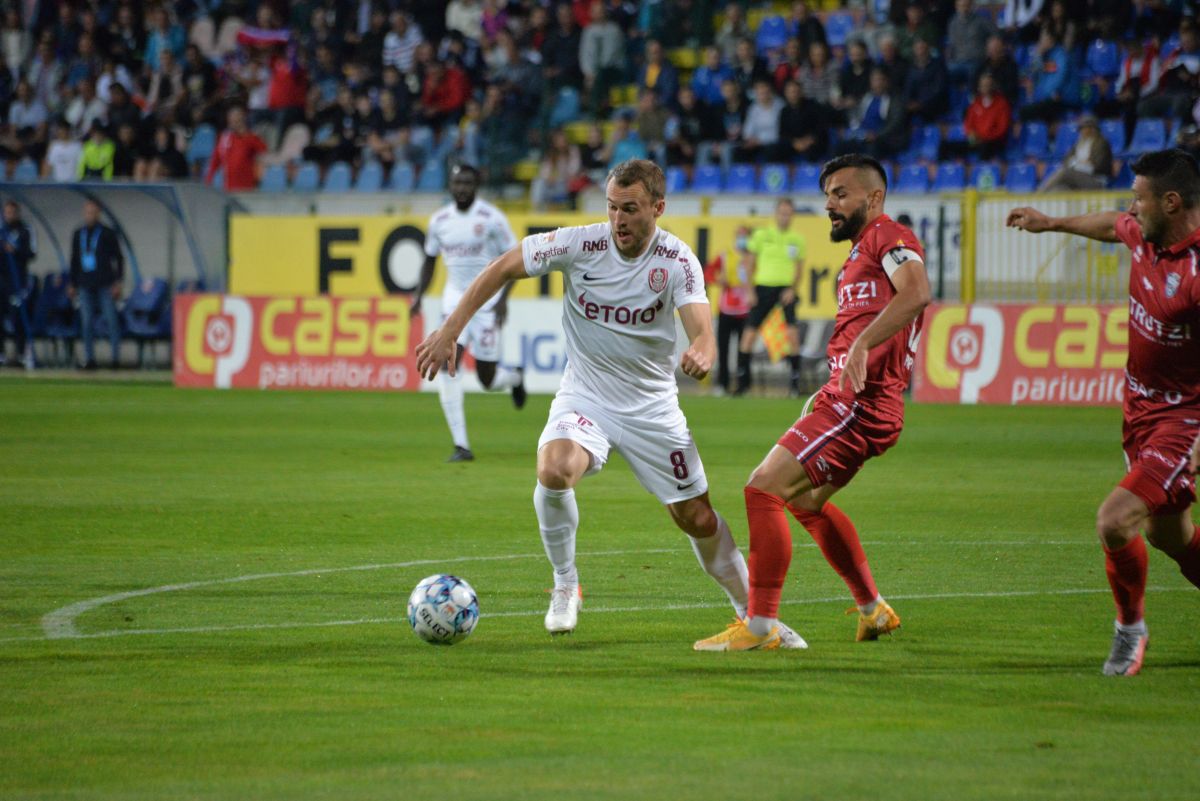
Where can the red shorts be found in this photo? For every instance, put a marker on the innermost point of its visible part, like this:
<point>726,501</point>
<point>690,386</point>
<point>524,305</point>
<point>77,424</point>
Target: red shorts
<point>838,436</point>
<point>1157,457</point>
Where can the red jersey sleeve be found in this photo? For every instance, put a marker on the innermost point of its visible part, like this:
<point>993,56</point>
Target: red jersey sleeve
<point>1128,231</point>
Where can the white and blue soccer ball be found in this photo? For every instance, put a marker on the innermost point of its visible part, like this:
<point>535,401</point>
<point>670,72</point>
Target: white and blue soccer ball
<point>443,609</point>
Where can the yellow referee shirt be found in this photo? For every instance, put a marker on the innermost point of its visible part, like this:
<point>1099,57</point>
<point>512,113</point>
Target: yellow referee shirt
<point>776,255</point>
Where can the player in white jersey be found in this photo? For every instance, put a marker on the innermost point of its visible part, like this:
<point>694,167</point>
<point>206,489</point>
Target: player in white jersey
<point>622,282</point>
<point>468,234</point>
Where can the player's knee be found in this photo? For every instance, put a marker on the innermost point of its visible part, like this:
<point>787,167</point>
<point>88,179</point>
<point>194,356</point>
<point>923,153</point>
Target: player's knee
<point>695,518</point>
<point>555,474</point>
<point>1113,528</point>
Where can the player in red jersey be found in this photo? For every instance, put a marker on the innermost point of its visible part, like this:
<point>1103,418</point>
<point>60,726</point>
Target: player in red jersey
<point>882,290</point>
<point>1162,385</point>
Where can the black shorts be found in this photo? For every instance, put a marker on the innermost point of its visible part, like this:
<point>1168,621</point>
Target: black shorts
<point>768,299</point>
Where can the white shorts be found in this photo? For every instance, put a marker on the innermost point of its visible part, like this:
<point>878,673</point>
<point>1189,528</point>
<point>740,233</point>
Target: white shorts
<point>662,453</point>
<point>481,336</point>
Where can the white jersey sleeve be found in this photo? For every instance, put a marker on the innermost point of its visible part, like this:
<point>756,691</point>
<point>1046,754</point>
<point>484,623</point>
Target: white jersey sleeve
<point>551,250</point>
<point>503,239</point>
<point>432,245</point>
<point>688,281</point>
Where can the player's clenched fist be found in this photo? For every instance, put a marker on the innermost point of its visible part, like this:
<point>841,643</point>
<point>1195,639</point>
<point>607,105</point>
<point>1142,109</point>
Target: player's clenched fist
<point>437,350</point>
<point>1028,219</point>
<point>695,363</point>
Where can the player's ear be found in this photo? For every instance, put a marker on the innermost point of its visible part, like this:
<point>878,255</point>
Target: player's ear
<point>660,206</point>
<point>1172,202</point>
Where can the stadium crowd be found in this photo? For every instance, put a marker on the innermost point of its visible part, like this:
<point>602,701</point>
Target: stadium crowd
<point>241,91</point>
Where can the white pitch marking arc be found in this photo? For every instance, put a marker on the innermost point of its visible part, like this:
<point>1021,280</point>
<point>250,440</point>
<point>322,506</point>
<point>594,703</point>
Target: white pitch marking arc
<point>60,623</point>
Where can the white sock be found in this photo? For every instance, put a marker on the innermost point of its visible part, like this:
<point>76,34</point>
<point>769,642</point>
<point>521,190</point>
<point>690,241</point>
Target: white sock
<point>868,608</point>
<point>722,560</point>
<point>504,380</point>
<point>761,626</point>
<point>1132,628</point>
<point>450,391</point>
<point>558,519</point>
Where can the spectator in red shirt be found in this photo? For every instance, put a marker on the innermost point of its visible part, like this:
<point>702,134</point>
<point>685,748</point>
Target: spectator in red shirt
<point>444,94</point>
<point>237,150</point>
<point>287,90</point>
<point>987,123</point>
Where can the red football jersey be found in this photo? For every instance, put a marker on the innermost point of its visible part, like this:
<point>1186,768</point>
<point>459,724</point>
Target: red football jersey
<point>1162,375</point>
<point>864,288</point>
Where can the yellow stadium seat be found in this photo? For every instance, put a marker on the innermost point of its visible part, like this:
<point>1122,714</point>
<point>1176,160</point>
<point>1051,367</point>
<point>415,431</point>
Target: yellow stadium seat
<point>525,170</point>
<point>685,58</point>
<point>577,132</point>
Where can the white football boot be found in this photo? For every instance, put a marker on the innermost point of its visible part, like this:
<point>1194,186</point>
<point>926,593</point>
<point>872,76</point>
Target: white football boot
<point>564,609</point>
<point>788,638</point>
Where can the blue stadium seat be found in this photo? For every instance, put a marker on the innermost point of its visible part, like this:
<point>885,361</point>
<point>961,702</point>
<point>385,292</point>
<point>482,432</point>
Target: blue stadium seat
<point>1035,138</point>
<point>566,107</point>
<point>951,177</point>
<point>913,178</point>
<point>807,178</point>
<point>838,26</point>
<point>53,313</point>
<point>274,179</point>
<point>741,179</point>
<point>403,177</point>
<point>200,147</point>
<point>676,180</point>
<point>1021,177</point>
<point>370,177</point>
<point>1149,134</point>
<point>338,177</point>
<point>1124,178</point>
<point>772,35</point>
<point>1114,132</point>
<point>1103,58</point>
<point>307,178</point>
<point>147,310</point>
<point>26,170</point>
<point>1064,139</point>
<point>773,179</point>
<point>433,177</point>
<point>707,179</point>
<point>956,133</point>
<point>986,177</point>
<point>929,139</point>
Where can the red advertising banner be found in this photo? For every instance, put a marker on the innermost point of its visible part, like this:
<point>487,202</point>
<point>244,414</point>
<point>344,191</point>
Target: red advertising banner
<point>1022,354</point>
<point>318,342</point>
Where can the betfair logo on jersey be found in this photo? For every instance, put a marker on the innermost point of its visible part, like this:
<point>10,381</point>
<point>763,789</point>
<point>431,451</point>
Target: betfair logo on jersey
<point>621,315</point>
<point>595,246</point>
<point>549,253</point>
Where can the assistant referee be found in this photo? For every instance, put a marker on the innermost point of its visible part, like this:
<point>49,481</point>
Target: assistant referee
<point>777,259</point>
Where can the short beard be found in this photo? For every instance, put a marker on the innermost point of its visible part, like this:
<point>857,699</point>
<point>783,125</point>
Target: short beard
<point>851,227</point>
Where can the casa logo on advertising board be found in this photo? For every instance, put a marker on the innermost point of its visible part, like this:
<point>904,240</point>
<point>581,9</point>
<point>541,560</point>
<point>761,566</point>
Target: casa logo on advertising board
<point>1017,353</point>
<point>295,343</point>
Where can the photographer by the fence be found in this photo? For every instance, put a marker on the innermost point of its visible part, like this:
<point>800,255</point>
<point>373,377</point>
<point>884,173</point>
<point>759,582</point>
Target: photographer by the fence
<point>97,268</point>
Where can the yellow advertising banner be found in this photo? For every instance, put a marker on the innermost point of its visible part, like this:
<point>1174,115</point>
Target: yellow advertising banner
<point>373,256</point>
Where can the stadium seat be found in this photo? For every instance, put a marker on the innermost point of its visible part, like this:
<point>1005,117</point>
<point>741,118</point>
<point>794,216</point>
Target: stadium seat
<point>951,177</point>
<point>403,178</point>
<point>54,315</point>
<point>1064,139</point>
<point>1035,138</point>
<point>274,179</point>
<point>370,177</point>
<point>147,310</point>
<point>307,177</point>
<point>1114,132</point>
<point>1021,177</point>
<point>913,178</point>
<point>773,179</point>
<point>707,179</point>
<point>956,133</point>
<point>838,26</point>
<point>986,177</point>
<point>1149,134</point>
<point>772,35</point>
<point>26,170</point>
<point>338,177</point>
<point>200,147</point>
<point>676,180</point>
<point>1103,58</point>
<point>807,178</point>
<point>1124,178</point>
<point>927,141</point>
<point>433,177</point>
<point>566,107</point>
<point>741,179</point>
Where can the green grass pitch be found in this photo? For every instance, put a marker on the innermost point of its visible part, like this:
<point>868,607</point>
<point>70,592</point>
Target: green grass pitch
<point>309,684</point>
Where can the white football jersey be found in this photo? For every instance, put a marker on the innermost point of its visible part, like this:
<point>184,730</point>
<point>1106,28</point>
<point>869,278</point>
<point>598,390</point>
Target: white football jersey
<point>467,241</point>
<point>618,315</point>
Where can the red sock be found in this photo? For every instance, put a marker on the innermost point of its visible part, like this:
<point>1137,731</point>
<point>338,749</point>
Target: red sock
<point>770,551</point>
<point>1126,569</point>
<point>838,540</point>
<point>1189,559</point>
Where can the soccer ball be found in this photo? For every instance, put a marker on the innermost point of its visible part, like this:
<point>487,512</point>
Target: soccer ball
<point>443,610</point>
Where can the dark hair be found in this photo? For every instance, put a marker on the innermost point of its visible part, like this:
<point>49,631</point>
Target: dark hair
<point>1171,170</point>
<point>859,161</point>
<point>467,168</point>
<point>643,171</point>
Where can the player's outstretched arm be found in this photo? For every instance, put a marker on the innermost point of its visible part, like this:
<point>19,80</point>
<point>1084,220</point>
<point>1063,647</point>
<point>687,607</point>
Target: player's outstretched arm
<point>912,296</point>
<point>439,347</point>
<point>1100,225</point>
<point>697,360</point>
